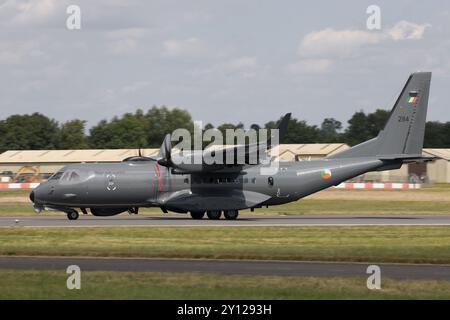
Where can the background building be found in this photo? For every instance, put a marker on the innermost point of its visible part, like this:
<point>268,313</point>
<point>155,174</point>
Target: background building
<point>35,165</point>
<point>439,170</point>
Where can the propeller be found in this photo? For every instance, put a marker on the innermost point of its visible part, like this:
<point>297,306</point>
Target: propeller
<point>165,152</point>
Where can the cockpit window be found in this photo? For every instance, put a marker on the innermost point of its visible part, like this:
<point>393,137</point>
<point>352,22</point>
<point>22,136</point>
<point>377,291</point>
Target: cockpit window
<point>71,176</point>
<point>65,176</point>
<point>74,176</point>
<point>56,176</point>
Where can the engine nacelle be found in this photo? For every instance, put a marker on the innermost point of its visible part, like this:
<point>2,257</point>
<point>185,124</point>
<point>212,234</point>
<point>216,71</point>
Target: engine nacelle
<point>105,212</point>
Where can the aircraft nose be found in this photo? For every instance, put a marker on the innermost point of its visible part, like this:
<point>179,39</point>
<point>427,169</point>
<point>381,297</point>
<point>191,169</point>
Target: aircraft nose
<point>32,196</point>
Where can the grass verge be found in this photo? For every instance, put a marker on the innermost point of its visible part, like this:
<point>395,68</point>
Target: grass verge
<point>19,284</point>
<point>315,206</point>
<point>415,244</point>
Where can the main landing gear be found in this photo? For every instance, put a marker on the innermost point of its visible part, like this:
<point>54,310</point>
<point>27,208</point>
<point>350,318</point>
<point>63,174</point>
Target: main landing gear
<point>231,214</point>
<point>197,215</point>
<point>215,214</point>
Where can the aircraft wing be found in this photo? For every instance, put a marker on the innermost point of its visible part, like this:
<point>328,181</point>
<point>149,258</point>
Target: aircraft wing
<point>234,158</point>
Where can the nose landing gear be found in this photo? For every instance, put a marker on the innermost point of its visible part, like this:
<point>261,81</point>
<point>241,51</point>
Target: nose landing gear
<point>72,215</point>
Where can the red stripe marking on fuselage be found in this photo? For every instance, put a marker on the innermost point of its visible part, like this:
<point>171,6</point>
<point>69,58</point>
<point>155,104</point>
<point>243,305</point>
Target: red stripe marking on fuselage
<point>158,172</point>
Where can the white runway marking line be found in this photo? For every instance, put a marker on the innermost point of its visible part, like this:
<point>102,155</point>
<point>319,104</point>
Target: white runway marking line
<point>237,225</point>
<point>246,221</point>
<point>228,260</point>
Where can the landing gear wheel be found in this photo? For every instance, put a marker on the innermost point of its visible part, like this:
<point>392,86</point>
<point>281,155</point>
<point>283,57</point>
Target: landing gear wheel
<point>231,214</point>
<point>133,210</point>
<point>72,215</point>
<point>214,214</point>
<point>197,214</point>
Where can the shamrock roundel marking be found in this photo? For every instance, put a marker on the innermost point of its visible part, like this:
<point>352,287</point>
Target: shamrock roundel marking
<point>325,174</point>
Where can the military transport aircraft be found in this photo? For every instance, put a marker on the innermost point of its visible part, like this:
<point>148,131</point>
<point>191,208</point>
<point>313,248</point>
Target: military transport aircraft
<point>110,189</point>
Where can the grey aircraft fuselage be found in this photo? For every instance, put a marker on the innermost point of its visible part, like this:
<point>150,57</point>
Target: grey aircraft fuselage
<point>147,184</point>
<point>109,189</point>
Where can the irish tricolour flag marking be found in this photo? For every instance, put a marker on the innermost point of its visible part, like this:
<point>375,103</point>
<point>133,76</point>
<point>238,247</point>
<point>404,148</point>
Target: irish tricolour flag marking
<point>412,99</point>
<point>326,174</point>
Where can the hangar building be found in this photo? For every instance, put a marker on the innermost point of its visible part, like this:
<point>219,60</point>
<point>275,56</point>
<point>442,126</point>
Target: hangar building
<point>35,165</point>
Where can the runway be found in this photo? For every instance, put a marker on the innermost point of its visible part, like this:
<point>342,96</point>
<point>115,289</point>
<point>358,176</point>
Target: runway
<point>243,220</point>
<point>241,267</point>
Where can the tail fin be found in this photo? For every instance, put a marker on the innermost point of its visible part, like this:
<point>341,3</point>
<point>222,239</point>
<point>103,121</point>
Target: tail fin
<point>403,133</point>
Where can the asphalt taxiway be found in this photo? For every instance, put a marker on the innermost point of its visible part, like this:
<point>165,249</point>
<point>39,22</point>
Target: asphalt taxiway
<point>243,220</point>
<point>242,267</point>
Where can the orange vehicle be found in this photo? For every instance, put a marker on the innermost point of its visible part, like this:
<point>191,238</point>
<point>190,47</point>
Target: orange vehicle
<point>28,174</point>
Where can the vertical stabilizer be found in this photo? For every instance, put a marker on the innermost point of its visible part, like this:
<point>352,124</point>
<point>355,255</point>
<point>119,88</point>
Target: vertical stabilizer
<point>403,133</point>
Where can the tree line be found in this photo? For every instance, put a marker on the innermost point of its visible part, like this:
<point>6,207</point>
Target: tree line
<point>146,129</point>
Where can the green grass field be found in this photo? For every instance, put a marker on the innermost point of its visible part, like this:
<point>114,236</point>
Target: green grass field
<point>322,206</point>
<point>416,244</point>
<point>18,284</point>
<point>15,192</point>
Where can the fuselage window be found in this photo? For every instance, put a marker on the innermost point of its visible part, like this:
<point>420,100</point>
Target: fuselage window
<point>270,181</point>
<point>186,180</point>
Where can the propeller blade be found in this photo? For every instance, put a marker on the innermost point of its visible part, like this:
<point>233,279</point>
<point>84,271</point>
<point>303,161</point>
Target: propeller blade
<point>165,151</point>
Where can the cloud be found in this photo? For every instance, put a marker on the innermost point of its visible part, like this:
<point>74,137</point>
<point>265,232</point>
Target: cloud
<point>242,63</point>
<point>16,52</point>
<point>318,50</point>
<point>29,12</point>
<point>191,47</point>
<point>125,41</point>
<point>196,16</point>
<point>404,30</point>
<point>343,43</point>
<point>244,66</point>
<point>135,86</point>
<point>310,66</point>
<point>335,42</point>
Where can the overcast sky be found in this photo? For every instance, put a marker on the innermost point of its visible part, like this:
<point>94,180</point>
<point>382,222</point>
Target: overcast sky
<point>223,61</point>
